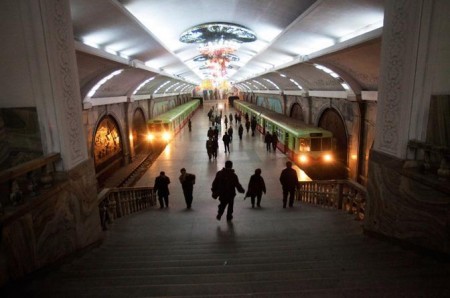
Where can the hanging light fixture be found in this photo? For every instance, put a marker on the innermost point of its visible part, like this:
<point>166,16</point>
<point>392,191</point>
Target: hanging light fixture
<point>217,43</point>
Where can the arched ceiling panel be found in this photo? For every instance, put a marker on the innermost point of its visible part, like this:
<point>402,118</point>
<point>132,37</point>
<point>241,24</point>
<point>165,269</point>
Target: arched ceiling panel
<point>311,78</point>
<point>91,67</point>
<point>122,84</point>
<point>361,62</point>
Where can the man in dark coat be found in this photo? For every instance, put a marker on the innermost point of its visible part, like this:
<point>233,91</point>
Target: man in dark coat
<point>210,148</point>
<point>187,181</point>
<point>226,142</point>
<point>253,125</point>
<point>224,187</point>
<point>256,187</point>
<point>240,131</point>
<point>162,188</point>
<point>274,141</point>
<point>289,182</point>
<point>268,141</point>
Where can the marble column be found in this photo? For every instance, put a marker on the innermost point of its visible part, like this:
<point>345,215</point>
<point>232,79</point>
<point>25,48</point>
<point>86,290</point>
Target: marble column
<point>414,66</point>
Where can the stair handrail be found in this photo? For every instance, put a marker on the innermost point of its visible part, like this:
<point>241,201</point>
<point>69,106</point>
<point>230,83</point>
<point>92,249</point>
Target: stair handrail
<point>339,194</point>
<point>117,202</point>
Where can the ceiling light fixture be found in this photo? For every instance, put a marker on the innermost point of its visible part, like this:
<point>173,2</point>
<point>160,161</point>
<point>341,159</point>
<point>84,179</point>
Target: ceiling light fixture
<point>217,42</point>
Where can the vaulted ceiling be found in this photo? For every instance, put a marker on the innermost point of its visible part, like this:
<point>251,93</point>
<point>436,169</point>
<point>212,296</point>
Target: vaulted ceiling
<point>141,38</point>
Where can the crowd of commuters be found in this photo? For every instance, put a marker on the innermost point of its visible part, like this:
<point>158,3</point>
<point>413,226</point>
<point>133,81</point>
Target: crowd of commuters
<point>226,182</point>
<point>225,185</point>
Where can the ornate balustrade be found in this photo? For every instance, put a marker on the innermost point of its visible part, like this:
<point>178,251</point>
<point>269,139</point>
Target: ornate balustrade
<point>118,202</point>
<point>338,194</point>
<point>428,158</point>
<point>27,180</point>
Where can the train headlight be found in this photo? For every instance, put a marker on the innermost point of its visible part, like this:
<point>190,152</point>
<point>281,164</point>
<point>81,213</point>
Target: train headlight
<point>328,157</point>
<point>150,137</point>
<point>303,159</point>
<point>166,136</point>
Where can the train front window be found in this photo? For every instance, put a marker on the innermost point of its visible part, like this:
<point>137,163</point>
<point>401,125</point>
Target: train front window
<point>305,145</point>
<point>316,144</point>
<point>326,144</point>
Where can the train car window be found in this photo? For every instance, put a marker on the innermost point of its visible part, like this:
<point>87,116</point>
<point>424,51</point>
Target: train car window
<point>316,144</point>
<point>305,145</point>
<point>155,127</point>
<point>326,144</point>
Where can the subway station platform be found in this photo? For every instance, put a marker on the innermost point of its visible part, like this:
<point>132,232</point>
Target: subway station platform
<point>304,251</point>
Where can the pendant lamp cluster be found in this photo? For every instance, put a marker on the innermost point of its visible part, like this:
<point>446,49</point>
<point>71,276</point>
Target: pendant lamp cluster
<point>217,43</point>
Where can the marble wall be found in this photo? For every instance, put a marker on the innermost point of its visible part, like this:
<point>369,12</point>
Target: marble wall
<point>406,206</point>
<point>53,225</point>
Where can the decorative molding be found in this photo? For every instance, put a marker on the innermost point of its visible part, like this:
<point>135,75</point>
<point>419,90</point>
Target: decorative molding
<point>60,40</point>
<point>398,66</point>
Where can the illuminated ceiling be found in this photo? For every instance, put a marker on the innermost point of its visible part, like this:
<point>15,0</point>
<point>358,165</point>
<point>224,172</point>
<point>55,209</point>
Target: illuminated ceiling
<point>288,31</point>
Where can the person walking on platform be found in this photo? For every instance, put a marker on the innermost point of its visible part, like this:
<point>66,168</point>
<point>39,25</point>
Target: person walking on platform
<point>253,125</point>
<point>247,126</point>
<point>240,131</point>
<point>224,187</point>
<point>162,188</point>
<point>215,146</point>
<point>268,141</point>
<point>231,119</point>
<point>209,147</point>
<point>256,187</point>
<point>289,183</point>
<point>187,181</point>
<point>226,122</point>
<point>210,133</point>
<point>274,141</point>
<point>230,133</point>
<point>190,125</point>
<point>226,142</point>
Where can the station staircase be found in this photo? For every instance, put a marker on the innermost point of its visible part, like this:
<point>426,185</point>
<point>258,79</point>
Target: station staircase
<point>324,255</point>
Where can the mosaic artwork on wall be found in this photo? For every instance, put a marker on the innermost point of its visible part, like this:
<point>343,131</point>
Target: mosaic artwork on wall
<point>275,105</point>
<point>107,141</point>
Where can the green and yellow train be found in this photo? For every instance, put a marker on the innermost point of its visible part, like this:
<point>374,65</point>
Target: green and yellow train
<point>302,143</point>
<point>164,127</point>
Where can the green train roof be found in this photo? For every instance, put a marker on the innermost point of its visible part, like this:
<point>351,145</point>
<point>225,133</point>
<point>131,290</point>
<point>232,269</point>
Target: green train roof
<point>175,112</point>
<point>293,126</point>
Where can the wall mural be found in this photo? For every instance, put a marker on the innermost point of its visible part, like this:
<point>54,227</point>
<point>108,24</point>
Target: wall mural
<point>260,101</point>
<point>275,105</point>
<point>107,141</point>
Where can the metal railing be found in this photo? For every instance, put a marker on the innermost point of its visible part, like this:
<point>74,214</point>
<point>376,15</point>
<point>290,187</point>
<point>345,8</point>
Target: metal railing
<point>339,194</point>
<point>118,202</point>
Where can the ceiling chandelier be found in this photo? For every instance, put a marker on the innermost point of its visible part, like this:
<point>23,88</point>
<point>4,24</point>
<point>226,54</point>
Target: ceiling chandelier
<point>217,43</point>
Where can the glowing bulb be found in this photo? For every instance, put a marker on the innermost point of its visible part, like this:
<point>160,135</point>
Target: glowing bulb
<point>166,136</point>
<point>327,157</point>
<point>303,159</point>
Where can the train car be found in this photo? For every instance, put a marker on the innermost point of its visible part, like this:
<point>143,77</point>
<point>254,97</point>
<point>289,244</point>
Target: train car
<point>304,144</point>
<point>162,128</point>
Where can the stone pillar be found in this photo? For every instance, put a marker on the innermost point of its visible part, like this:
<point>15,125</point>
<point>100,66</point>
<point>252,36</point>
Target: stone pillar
<point>414,65</point>
<point>63,104</point>
<point>401,32</point>
<point>40,63</point>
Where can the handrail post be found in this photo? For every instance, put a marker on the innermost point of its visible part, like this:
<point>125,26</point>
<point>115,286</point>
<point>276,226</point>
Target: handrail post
<point>339,193</point>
